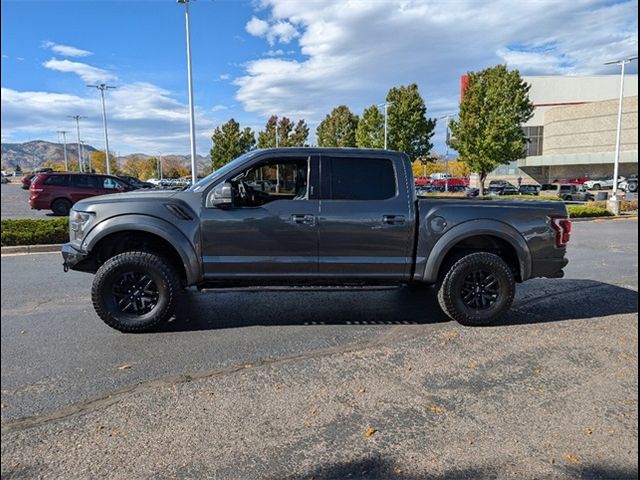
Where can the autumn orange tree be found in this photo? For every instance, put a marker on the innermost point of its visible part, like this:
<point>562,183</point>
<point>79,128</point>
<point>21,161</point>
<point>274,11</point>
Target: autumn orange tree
<point>99,162</point>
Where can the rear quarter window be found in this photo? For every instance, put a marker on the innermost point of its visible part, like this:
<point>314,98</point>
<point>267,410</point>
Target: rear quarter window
<point>84,181</point>
<point>56,180</point>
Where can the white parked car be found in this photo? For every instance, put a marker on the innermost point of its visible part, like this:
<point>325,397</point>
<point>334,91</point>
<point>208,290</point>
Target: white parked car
<point>600,183</point>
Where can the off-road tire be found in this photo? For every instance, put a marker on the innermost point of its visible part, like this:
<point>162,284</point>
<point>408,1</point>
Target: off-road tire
<point>450,287</point>
<point>61,207</point>
<point>165,279</point>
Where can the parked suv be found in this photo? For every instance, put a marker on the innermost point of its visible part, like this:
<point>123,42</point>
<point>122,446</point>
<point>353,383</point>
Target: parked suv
<point>630,185</point>
<point>529,190</point>
<point>600,183</point>
<point>571,192</point>
<point>58,192</point>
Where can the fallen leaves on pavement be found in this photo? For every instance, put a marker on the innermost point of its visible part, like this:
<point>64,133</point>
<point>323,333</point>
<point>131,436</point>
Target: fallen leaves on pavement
<point>571,458</point>
<point>3,405</point>
<point>436,409</point>
<point>370,431</point>
<point>123,367</point>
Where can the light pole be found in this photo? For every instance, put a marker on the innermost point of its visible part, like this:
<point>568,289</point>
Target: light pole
<point>616,160</point>
<point>86,165</point>
<point>385,105</point>
<point>446,151</point>
<point>102,87</point>
<point>160,166</point>
<point>64,148</point>
<point>77,119</point>
<point>192,127</point>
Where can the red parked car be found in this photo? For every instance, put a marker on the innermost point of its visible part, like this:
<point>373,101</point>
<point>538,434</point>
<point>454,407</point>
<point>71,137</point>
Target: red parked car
<point>58,192</point>
<point>453,182</point>
<point>26,181</point>
<point>571,181</point>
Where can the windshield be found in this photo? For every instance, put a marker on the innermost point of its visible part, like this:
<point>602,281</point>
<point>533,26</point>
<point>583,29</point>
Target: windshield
<point>200,184</point>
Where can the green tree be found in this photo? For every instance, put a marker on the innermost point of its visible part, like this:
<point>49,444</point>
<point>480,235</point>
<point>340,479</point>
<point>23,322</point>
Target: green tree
<point>489,131</point>
<point>230,142</point>
<point>370,131</point>
<point>409,129</point>
<point>288,135</point>
<point>338,129</point>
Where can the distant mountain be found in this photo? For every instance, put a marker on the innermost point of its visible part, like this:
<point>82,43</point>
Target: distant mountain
<point>33,154</point>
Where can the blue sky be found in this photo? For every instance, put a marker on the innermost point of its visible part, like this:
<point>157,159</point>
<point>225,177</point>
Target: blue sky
<point>256,58</point>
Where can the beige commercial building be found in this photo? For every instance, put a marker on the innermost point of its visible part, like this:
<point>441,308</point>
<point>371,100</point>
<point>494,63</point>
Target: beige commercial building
<point>573,130</point>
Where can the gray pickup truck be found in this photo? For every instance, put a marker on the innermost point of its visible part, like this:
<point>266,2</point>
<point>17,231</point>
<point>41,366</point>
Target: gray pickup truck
<point>310,217</point>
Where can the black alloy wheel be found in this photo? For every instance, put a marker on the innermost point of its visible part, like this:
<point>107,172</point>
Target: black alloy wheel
<point>135,291</point>
<point>480,290</point>
<point>476,289</point>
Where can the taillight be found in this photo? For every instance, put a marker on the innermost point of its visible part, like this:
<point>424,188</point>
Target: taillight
<point>562,227</point>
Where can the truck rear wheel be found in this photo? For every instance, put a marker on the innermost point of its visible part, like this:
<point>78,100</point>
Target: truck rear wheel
<point>477,290</point>
<point>135,291</point>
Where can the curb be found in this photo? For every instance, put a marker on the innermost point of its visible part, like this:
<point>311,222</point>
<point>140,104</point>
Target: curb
<point>25,249</point>
<point>601,219</point>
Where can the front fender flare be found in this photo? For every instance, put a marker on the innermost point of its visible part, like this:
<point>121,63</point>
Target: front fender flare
<point>155,226</point>
<point>474,228</point>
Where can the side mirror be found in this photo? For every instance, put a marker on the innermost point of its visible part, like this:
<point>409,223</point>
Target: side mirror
<point>222,195</point>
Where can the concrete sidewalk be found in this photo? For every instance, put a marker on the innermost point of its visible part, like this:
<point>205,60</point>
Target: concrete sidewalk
<point>538,400</point>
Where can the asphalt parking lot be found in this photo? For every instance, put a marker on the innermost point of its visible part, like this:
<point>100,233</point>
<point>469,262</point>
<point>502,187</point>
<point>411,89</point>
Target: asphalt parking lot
<point>342,384</point>
<point>14,202</point>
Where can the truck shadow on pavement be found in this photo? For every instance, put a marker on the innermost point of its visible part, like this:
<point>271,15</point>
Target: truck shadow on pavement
<point>537,301</point>
<point>380,468</point>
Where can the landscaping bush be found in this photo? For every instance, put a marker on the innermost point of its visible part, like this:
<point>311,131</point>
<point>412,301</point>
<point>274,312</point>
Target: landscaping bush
<point>625,205</point>
<point>583,211</point>
<point>29,231</point>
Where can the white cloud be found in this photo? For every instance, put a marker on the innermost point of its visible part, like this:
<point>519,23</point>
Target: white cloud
<point>219,108</point>
<point>257,27</point>
<point>224,77</point>
<point>354,51</point>
<point>274,53</point>
<point>142,118</point>
<point>66,50</point>
<point>281,31</point>
<point>86,72</point>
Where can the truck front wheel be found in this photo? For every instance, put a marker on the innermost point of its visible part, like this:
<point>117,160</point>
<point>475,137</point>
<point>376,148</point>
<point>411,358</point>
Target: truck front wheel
<point>135,291</point>
<point>477,290</point>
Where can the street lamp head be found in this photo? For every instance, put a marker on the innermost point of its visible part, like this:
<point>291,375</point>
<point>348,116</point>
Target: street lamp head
<point>621,61</point>
<point>183,1</point>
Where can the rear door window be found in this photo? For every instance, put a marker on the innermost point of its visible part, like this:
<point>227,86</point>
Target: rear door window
<point>56,181</point>
<point>362,179</point>
<point>84,181</point>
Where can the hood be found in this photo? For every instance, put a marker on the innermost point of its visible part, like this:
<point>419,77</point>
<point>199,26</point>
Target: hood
<point>133,196</point>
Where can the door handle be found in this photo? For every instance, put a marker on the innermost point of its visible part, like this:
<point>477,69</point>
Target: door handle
<point>303,219</point>
<point>393,219</point>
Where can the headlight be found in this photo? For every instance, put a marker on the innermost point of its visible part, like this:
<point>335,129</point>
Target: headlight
<point>77,223</point>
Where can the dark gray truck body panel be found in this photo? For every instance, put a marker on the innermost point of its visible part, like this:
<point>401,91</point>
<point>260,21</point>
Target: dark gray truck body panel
<point>398,240</point>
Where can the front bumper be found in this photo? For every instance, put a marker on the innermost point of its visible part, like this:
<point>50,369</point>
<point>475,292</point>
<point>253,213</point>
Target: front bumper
<point>73,258</point>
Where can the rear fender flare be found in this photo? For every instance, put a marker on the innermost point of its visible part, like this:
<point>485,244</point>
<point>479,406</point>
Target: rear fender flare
<point>474,228</point>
